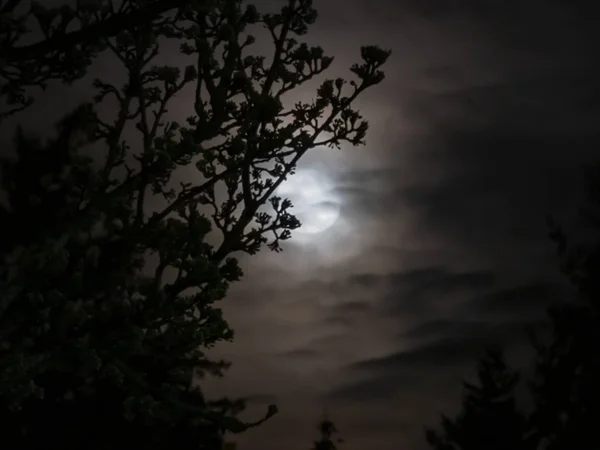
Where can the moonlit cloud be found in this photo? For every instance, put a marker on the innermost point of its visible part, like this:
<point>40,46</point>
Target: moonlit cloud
<point>315,204</point>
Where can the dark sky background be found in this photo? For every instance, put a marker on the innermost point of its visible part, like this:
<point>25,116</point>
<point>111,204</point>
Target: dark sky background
<point>489,110</point>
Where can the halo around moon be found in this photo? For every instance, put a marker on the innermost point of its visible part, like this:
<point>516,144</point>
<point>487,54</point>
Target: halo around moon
<point>315,205</point>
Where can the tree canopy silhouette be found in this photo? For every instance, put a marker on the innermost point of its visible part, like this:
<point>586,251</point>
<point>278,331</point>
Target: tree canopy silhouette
<point>72,37</point>
<point>111,267</point>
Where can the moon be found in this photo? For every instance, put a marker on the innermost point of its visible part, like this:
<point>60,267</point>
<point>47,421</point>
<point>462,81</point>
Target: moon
<point>313,201</point>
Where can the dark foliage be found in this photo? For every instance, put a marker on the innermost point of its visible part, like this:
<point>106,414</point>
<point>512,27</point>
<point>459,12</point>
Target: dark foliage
<point>565,388</point>
<point>111,270</point>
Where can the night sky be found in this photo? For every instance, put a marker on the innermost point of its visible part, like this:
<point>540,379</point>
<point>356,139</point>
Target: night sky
<point>488,112</point>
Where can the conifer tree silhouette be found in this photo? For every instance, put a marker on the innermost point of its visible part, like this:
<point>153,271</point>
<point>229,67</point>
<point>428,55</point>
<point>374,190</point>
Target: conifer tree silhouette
<point>566,386</point>
<point>564,390</point>
<point>489,418</point>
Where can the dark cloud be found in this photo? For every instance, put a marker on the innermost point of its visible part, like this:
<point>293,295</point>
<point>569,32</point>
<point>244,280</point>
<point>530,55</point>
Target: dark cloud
<point>500,189</point>
<point>462,343</point>
<point>347,313</point>
<point>498,10</point>
<point>526,301</point>
<point>354,306</point>
<point>503,317</point>
<point>441,279</point>
<point>445,328</point>
<point>364,295</point>
<point>302,353</point>
<point>368,280</point>
<point>430,279</point>
<point>451,347</point>
<point>417,291</point>
<point>381,389</point>
<point>529,102</point>
<point>445,352</point>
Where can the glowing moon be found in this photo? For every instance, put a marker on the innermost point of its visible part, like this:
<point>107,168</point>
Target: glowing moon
<point>314,205</point>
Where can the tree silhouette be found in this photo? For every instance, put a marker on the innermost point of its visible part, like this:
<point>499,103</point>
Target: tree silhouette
<point>564,389</point>
<point>111,268</point>
<point>489,418</point>
<point>73,36</point>
<point>91,29</point>
<point>565,386</point>
<point>327,431</point>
